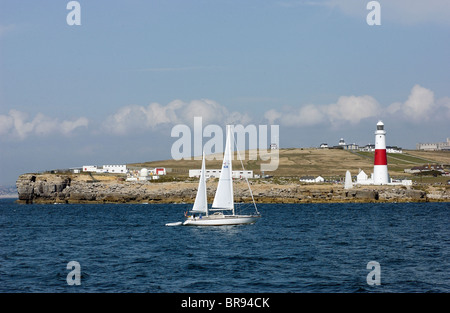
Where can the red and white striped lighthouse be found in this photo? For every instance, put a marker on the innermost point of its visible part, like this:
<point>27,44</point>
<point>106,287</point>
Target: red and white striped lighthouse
<point>380,170</point>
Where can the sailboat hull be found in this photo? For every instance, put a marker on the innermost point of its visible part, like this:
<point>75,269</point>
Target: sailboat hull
<point>222,220</point>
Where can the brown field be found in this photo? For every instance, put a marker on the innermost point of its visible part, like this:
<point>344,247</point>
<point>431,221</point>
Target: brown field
<point>328,163</point>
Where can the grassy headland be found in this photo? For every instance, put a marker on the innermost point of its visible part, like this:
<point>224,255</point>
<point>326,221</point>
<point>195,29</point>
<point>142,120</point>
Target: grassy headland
<point>283,186</point>
<point>328,163</point>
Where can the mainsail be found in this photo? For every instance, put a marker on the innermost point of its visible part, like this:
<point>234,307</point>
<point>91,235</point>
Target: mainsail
<point>201,202</point>
<point>224,195</point>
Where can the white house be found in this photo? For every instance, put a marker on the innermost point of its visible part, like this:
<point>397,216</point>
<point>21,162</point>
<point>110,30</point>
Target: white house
<point>319,179</point>
<point>361,177</point>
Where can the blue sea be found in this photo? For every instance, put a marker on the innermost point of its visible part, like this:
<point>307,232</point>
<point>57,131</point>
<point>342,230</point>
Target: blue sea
<point>293,248</point>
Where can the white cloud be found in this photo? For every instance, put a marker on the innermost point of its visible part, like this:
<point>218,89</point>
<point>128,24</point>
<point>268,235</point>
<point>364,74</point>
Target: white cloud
<point>444,105</point>
<point>352,109</point>
<point>419,103</point>
<point>421,106</point>
<point>305,116</point>
<point>272,115</point>
<point>68,127</point>
<point>140,118</point>
<point>17,125</point>
<point>6,123</point>
<point>348,109</point>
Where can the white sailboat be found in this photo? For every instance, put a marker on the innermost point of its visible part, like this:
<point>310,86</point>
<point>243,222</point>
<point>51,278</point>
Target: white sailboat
<point>224,198</point>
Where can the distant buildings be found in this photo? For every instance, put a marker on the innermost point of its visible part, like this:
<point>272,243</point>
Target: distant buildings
<point>115,169</point>
<point>352,146</point>
<point>363,179</point>
<point>312,179</point>
<point>216,173</point>
<point>144,174</point>
<point>112,169</point>
<point>368,148</point>
<point>428,168</point>
<point>133,174</point>
<point>389,149</point>
<point>356,147</point>
<point>437,146</point>
<point>90,168</point>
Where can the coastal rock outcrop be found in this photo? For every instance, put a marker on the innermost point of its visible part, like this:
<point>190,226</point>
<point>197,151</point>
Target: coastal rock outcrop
<point>56,188</point>
<point>31,187</point>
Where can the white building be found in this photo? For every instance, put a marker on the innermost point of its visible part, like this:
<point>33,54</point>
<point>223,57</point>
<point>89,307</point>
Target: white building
<point>361,177</point>
<point>160,171</point>
<point>393,149</point>
<point>216,173</point>
<point>319,179</point>
<point>115,169</point>
<point>368,148</point>
<point>351,146</point>
<point>90,168</point>
<point>144,174</point>
<point>434,146</point>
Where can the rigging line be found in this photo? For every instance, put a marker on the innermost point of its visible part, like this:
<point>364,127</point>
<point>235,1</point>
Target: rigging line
<point>248,184</point>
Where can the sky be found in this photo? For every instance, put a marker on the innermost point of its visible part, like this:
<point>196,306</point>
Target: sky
<point>110,91</point>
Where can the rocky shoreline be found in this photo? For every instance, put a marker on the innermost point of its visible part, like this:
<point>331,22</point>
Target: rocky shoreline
<point>54,188</point>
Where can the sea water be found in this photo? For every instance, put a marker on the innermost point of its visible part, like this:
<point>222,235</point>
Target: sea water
<point>292,248</point>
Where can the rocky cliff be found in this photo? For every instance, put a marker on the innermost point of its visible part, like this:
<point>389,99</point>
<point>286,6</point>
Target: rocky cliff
<point>54,188</point>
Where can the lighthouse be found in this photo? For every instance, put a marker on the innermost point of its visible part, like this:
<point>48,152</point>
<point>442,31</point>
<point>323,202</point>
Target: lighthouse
<point>380,171</point>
